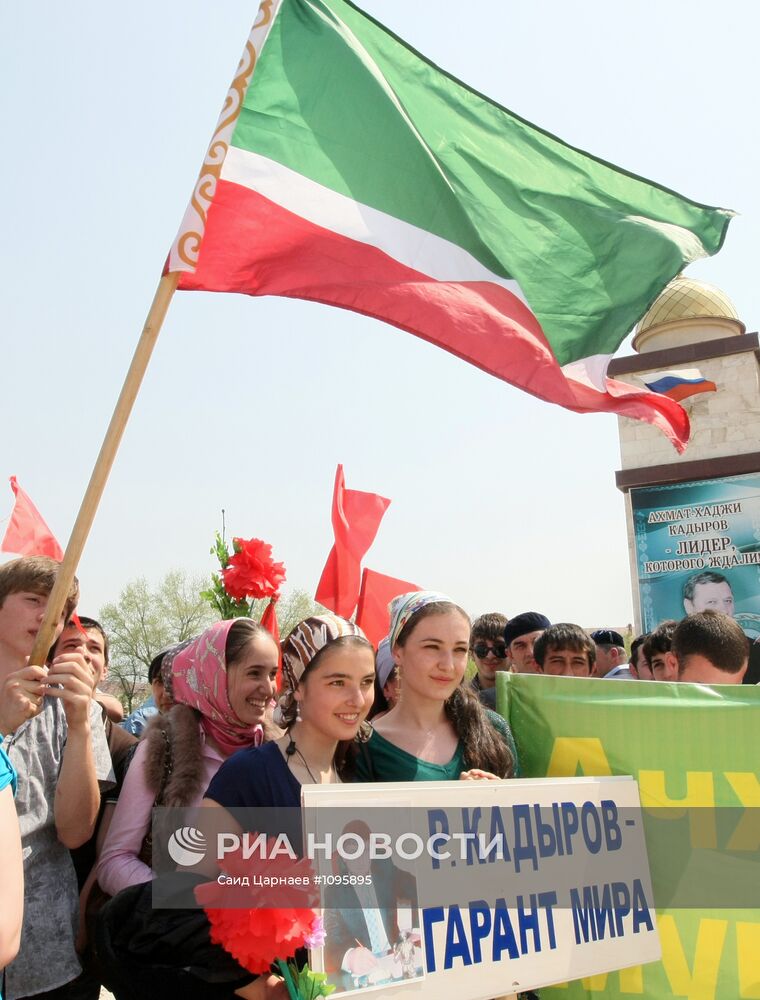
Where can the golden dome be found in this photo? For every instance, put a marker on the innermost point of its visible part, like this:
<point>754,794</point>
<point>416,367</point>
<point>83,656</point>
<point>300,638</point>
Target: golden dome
<point>685,299</point>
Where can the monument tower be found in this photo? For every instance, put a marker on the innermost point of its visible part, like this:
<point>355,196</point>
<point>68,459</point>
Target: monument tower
<point>693,520</point>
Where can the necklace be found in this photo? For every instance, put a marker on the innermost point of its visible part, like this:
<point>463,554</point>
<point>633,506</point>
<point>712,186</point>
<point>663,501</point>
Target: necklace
<point>291,750</point>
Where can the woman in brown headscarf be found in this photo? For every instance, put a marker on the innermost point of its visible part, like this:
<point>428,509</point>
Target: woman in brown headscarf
<point>329,673</point>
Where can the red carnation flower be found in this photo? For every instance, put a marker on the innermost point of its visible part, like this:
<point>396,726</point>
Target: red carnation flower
<point>251,571</point>
<point>258,936</point>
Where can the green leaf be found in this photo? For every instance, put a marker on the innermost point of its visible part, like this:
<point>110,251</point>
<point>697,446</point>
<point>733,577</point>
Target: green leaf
<point>311,984</point>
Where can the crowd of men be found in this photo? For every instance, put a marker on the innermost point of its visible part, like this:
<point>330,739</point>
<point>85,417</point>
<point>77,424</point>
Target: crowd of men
<point>63,736</point>
<point>708,646</point>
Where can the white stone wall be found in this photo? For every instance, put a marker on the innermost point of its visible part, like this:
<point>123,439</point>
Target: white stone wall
<point>726,422</point>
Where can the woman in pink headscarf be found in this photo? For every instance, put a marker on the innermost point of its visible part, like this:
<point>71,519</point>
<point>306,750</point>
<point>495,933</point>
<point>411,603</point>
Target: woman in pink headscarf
<point>221,684</point>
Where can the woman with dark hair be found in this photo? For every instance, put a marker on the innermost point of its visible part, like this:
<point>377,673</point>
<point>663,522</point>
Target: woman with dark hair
<point>220,684</point>
<point>328,676</point>
<point>438,730</point>
<point>329,672</point>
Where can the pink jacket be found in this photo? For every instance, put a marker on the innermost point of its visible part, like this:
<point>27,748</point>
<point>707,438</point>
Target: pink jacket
<point>119,865</point>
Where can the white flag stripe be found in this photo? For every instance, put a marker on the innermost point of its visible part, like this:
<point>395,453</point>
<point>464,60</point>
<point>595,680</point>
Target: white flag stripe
<point>410,245</point>
<point>690,374</point>
<point>590,371</point>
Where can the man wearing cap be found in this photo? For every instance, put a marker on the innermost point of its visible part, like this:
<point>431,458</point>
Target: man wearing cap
<point>519,635</point>
<point>611,657</point>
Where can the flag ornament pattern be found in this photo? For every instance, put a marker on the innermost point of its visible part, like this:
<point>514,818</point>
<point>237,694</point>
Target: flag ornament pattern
<point>679,384</point>
<point>184,252</point>
<point>356,173</point>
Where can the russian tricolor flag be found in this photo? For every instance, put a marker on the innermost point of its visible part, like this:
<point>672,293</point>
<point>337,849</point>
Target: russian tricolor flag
<point>679,384</point>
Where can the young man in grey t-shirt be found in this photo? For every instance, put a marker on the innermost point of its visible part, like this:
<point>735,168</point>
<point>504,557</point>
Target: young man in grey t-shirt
<point>52,731</point>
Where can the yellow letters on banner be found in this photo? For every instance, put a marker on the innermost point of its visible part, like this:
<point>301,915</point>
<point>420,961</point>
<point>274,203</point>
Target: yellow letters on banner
<point>699,799</point>
<point>572,755</point>
<point>748,957</point>
<point>701,981</point>
<point>746,787</point>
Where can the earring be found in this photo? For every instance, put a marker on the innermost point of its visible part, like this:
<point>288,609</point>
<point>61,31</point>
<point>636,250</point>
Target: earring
<point>298,711</point>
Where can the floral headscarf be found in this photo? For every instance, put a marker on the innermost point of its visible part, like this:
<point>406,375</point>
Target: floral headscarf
<point>302,645</point>
<point>195,673</point>
<point>403,607</point>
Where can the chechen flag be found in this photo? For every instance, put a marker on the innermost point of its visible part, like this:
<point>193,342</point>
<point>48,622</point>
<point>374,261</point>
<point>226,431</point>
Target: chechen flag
<point>679,384</point>
<point>348,169</point>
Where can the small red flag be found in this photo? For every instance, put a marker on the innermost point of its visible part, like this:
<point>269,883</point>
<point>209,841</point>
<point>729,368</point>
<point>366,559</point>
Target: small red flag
<point>376,594</point>
<point>27,534</point>
<point>270,623</point>
<point>356,516</point>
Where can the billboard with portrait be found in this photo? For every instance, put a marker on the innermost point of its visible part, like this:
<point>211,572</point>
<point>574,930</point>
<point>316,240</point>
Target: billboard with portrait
<point>698,548</point>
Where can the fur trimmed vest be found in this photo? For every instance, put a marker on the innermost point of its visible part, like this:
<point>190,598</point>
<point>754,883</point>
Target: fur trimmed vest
<point>173,769</point>
<point>174,763</point>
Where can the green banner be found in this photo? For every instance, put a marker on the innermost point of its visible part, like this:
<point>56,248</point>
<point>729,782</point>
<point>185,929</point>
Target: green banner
<point>692,750</point>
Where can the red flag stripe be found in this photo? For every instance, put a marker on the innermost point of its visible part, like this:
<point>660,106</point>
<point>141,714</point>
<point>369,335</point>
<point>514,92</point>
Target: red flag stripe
<point>255,246</point>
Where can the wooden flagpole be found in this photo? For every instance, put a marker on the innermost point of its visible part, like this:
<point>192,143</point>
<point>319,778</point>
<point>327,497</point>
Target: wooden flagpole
<point>156,315</point>
<point>186,246</point>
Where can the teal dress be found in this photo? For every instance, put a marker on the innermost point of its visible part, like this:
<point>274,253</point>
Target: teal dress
<point>380,760</point>
<point>7,772</point>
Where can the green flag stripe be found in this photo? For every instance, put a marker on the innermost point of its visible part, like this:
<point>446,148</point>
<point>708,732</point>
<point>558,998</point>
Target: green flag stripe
<point>415,248</point>
<point>338,98</point>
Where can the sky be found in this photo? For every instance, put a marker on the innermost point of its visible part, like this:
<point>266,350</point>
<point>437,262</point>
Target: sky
<point>502,501</point>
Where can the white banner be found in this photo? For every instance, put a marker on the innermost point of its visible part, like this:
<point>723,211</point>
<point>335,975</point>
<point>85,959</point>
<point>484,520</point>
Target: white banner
<point>519,884</point>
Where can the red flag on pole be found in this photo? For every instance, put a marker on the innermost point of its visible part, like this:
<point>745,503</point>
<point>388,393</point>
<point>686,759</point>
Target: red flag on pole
<point>356,516</point>
<point>27,534</point>
<point>376,594</point>
<point>269,621</point>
